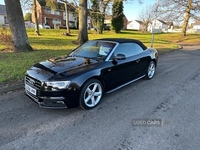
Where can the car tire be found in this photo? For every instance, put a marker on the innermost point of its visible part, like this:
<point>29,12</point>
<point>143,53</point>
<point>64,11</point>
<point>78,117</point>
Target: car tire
<point>91,94</point>
<point>151,70</point>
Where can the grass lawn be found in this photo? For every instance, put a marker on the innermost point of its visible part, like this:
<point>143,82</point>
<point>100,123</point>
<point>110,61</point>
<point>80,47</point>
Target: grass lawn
<point>52,43</point>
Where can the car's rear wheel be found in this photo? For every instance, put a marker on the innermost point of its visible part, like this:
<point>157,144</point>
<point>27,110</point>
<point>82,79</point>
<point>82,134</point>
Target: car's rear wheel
<point>151,70</point>
<point>91,94</point>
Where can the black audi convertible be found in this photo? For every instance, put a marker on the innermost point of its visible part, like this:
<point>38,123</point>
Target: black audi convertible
<point>92,69</point>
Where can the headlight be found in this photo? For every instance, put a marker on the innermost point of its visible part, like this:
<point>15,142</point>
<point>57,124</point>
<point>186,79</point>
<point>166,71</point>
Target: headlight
<point>58,84</point>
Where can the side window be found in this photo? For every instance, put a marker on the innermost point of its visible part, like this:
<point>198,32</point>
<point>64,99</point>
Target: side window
<point>125,48</point>
<point>137,48</point>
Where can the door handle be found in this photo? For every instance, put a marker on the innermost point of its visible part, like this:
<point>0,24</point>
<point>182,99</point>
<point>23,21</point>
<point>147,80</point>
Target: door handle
<point>138,60</point>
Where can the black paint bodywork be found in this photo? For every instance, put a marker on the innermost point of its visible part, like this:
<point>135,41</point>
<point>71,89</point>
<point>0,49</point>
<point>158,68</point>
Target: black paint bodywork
<point>112,73</point>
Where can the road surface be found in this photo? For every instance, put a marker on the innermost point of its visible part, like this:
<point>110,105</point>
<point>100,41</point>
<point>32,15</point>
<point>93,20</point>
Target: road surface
<point>173,96</point>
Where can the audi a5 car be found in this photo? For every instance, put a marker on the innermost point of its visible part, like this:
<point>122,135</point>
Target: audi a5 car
<point>92,69</point>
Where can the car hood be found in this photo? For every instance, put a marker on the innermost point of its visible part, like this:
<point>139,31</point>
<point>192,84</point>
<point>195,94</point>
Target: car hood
<point>61,66</point>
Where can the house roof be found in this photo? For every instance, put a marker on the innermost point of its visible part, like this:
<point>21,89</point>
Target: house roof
<point>197,23</point>
<point>129,22</point>
<point>2,10</point>
<point>108,17</point>
<point>170,23</point>
<point>162,21</point>
<point>140,22</point>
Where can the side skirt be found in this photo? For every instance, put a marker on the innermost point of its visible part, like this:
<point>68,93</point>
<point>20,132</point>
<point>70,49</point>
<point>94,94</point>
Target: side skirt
<point>119,87</point>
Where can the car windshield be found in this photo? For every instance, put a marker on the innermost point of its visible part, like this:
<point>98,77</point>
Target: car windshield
<point>94,49</point>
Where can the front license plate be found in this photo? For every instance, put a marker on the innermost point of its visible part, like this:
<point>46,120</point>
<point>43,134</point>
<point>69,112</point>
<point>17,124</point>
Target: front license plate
<point>30,89</point>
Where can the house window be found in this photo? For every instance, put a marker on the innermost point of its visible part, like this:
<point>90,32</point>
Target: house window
<point>57,21</point>
<point>55,12</point>
<point>6,20</point>
<point>64,22</point>
<point>47,10</point>
<point>72,24</point>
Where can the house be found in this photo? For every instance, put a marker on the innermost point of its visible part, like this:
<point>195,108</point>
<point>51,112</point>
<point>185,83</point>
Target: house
<point>108,21</point>
<point>158,26</point>
<point>196,26</point>
<point>170,25</point>
<point>3,16</point>
<point>135,25</point>
<point>125,23</point>
<point>53,18</point>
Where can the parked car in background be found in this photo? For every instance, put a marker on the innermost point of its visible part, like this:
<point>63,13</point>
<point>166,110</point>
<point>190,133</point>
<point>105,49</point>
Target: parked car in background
<point>44,26</point>
<point>94,68</point>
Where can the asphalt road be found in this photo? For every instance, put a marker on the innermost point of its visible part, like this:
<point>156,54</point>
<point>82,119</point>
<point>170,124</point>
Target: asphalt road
<point>173,95</point>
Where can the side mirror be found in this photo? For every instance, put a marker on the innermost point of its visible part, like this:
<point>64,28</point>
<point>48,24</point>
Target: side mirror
<point>120,57</point>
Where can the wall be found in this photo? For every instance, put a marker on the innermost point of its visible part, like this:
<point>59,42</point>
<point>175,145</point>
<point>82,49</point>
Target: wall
<point>134,25</point>
<point>2,20</point>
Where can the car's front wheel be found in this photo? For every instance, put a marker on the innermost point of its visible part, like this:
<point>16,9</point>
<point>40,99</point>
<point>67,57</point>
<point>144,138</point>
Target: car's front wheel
<point>91,94</point>
<point>151,70</point>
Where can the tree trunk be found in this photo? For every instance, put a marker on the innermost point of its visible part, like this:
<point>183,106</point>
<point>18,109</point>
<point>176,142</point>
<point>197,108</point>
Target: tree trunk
<point>67,17</point>
<point>83,35</point>
<point>187,17</point>
<point>35,18</point>
<point>103,13</point>
<point>101,27</point>
<point>17,26</point>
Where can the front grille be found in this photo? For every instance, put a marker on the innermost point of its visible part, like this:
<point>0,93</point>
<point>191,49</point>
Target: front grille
<point>34,83</point>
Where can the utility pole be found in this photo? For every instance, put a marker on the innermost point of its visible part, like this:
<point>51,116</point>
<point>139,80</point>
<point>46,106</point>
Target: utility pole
<point>153,27</point>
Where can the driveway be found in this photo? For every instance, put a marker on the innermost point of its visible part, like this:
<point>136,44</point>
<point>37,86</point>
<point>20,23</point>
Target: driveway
<point>171,97</point>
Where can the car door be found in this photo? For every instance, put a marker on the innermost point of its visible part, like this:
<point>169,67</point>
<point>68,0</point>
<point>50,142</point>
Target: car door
<point>143,59</point>
<point>124,70</point>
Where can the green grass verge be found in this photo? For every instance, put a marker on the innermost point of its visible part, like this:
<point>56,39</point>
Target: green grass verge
<point>52,43</point>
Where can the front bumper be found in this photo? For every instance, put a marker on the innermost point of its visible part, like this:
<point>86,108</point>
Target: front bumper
<point>55,99</point>
<point>48,102</point>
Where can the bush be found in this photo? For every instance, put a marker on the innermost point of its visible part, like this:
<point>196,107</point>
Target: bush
<point>6,38</point>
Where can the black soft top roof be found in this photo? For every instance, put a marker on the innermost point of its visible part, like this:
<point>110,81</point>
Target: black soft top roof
<point>124,40</point>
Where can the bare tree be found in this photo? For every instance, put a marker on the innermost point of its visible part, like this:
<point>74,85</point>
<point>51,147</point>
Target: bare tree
<point>35,17</point>
<point>17,26</point>
<point>98,12</point>
<point>31,4</point>
<point>147,15</point>
<point>187,17</point>
<point>26,4</point>
<point>67,17</point>
<point>180,10</point>
<point>83,34</point>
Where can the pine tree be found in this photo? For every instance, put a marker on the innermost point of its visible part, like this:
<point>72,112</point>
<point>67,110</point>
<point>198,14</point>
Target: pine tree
<point>117,19</point>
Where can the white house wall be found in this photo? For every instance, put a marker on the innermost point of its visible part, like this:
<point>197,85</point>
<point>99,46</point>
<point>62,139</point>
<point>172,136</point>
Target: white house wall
<point>2,21</point>
<point>196,27</point>
<point>134,25</point>
<point>157,27</point>
<point>72,17</point>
